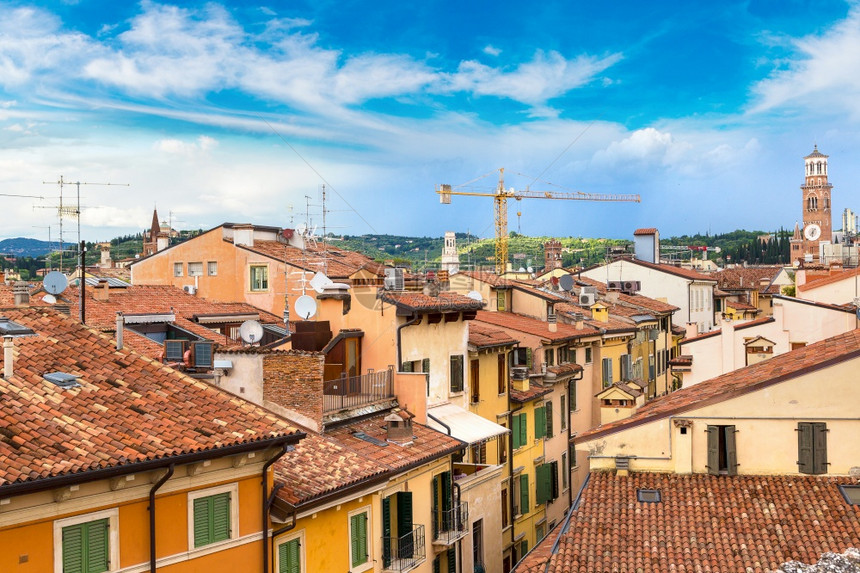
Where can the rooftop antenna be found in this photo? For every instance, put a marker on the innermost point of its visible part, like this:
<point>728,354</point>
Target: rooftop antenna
<point>50,243</point>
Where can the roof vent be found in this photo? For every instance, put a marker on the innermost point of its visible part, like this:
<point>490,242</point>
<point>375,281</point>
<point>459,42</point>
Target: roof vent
<point>399,430</point>
<point>9,328</point>
<point>369,439</point>
<point>63,380</point>
<point>649,495</point>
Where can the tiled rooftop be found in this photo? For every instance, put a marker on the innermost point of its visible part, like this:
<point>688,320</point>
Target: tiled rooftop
<point>340,264</point>
<point>128,408</point>
<point>672,270</point>
<point>704,523</point>
<point>534,391</point>
<point>485,336</point>
<point>491,279</point>
<point>746,278</point>
<point>738,382</point>
<point>534,326</point>
<point>828,280</point>
<point>446,301</point>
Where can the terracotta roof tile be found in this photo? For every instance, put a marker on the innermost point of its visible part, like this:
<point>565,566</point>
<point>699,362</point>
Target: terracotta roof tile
<point>128,408</point>
<point>446,301</point>
<point>534,391</point>
<point>645,231</point>
<point>703,523</point>
<point>484,336</point>
<point>746,278</point>
<point>673,270</point>
<point>339,264</point>
<point>491,279</point>
<point>740,381</point>
<point>828,280</point>
<point>533,326</point>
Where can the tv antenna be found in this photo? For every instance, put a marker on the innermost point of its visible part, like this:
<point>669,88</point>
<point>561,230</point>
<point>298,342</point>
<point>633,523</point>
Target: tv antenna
<point>73,211</point>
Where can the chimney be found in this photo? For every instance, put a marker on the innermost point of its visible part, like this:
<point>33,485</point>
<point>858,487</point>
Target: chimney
<point>120,326</point>
<point>106,261</point>
<point>692,330</point>
<point>243,235</point>
<point>102,293</point>
<point>579,321</point>
<point>21,294</point>
<point>162,242</point>
<point>397,429</point>
<point>612,295</point>
<point>8,357</point>
<point>552,322</point>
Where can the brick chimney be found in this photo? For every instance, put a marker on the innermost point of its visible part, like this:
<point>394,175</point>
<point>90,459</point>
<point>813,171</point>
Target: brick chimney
<point>8,357</point>
<point>21,293</point>
<point>102,292</point>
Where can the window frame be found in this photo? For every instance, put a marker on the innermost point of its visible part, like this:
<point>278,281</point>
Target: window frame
<point>454,374</point>
<point>212,268</point>
<point>368,563</point>
<point>817,463</point>
<point>178,270</point>
<point>297,536</point>
<point>112,515</point>
<point>197,266</point>
<point>263,287</point>
<point>233,490</point>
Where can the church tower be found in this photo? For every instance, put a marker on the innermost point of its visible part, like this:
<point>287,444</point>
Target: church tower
<point>817,219</point>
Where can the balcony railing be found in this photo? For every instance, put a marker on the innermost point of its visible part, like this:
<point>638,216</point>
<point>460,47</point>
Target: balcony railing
<point>405,552</point>
<point>449,525</point>
<point>353,391</point>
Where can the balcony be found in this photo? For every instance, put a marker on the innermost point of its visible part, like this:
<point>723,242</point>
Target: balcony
<point>354,391</point>
<point>449,525</point>
<point>405,552</point>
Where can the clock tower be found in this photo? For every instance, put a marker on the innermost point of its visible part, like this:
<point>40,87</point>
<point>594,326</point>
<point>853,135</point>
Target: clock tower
<point>817,222</point>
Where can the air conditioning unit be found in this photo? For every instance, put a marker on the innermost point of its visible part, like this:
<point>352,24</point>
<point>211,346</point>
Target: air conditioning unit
<point>587,298</point>
<point>190,289</point>
<point>201,354</point>
<point>631,286</point>
<point>393,279</point>
<point>613,285</point>
<point>174,350</point>
<point>519,373</point>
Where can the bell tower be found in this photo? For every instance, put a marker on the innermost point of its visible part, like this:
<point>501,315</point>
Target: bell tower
<point>817,219</point>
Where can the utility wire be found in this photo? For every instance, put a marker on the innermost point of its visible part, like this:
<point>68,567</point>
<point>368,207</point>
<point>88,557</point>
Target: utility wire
<point>330,186</point>
<point>575,139</point>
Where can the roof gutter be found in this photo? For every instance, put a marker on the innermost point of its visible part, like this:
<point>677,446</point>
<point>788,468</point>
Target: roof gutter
<point>38,485</point>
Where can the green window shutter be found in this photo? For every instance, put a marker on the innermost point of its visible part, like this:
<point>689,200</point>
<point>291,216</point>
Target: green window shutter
<point>98,558</point>
<point>221,516</point>
<point>447,494</point>
<point>529,358</point>
<point>288,557</point>
<point>541,489</point>
<point>540,423</point>
<point>211,519</point>
<point>524,494</point>
<point>731,451</point>
<point>515,431</point>
<point>202,535</point>
<point>404,524</point>
<point>553,474</point>
<point>713,450</point>
<point>452,560</point>
<point>386,532</point>
<point>562,410</point>
<point>436,510</point>
<point>406,367</point>
<point>524,428</point>
<point>819,447</point>
<point>524,548</point>
<point>436,565</point>
<point>358,538</point>
<point>548,415</point>
<point>425,366</point>
<point>73,548</point>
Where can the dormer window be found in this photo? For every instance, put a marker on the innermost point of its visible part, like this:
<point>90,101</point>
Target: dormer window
<point>851,493</point>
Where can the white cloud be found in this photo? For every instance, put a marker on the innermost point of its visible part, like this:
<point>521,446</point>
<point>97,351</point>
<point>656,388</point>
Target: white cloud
<point>491,50</point>
<point>824,75</point>
<point>171,146</point>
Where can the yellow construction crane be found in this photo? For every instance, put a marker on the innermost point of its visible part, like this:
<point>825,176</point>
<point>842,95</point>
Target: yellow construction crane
<point>500,201</point>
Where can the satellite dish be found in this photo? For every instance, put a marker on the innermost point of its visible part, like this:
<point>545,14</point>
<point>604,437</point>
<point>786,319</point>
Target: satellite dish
<point>475,295</point>
<point>565,282</point>
<point>301,228</point>
<point>49,299</point>
<point>319,282</point>
<point>305,306</point>
<point>251,331</point>
<point>55,282</point>
<point>530,270</point>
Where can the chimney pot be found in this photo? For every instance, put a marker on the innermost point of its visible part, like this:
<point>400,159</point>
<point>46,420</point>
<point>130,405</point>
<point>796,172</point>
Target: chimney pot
<point>8,357</point>
<point>120,326</point>
<point>21,294</point>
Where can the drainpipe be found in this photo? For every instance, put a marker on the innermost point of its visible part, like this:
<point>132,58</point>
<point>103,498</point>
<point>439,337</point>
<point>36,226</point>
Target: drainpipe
<point>158,484</point>
<point>570,461</point>
<point>415,318</point>
<point>266,504</point>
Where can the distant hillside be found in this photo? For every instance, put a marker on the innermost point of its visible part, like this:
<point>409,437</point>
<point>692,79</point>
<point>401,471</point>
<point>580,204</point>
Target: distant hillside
<point>23,247</point>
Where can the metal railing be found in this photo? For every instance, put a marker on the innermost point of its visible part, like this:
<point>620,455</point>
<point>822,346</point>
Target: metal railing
<point>449,525</point>
<point>353,391</point>
<point>405,552</point>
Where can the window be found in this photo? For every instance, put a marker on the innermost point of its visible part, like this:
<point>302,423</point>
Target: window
<point>503,448</point>
<point>478,543</point>
<point>519,433</point>
<point>474,380</point>
<point>549,356</point>
<point>546,482</point>
<point>588,355</point>
<point>358,546</point>
<point>398,539</point>
<point>562,411</point>
<point>177,269</point>
<point>259,278</point>
<point>524,494</point>
<point>212,513</point>
<point>212,268</point>
<point>564,471</point>
<point>505,508</point>
<point>503,374</point>
<point>626,363</point>
<point>573,395</point>
<point>443,502</point>
<point>649,495</point>
<point>500,300</point>
<point>195,269</point>
<point>851,493</point>
<point>290,556</point>
<point>86,543</point>
<point>479,453</point>
<point>457,373</point>
<point>812,447</point>
<point>539,533</point>
<point>607,372</point>
<point>722,452</point>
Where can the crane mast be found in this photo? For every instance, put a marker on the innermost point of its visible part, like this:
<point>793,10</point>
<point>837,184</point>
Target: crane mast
<point>500,208</point>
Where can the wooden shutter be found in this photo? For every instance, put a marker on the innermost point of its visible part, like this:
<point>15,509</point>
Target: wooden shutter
<point>524,494</point>
<point>804,448</point>
<point>452,560</point>
<point>543,485</point>
<point>529,358</point>
<point>819,447</point>
<point>447,501</point>
<point>554,478</point>
<point>211,519</point>
<point>731,451</point>
<point>86,546</point>
<point>288,557</point>
<point>436,565</point>
<point>425,366</point>
<point>524,428</point>
<point>220,516</point>
<point>73,548</point>
<point>713,450</point>
<point>515,431</point>
<point>548,415</point>
<point>563,414</point>
<point>503,371</point>
<point>386,532</point>
<point>437,515</point>
<point>540,423</point>
<point>202,535</point>
<point>404,524</point>
<point>358,538</point>
<point>475,366</point>
<point>606,363</point>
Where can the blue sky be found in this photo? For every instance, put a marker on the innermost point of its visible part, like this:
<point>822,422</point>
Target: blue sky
<point>237,112</point>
